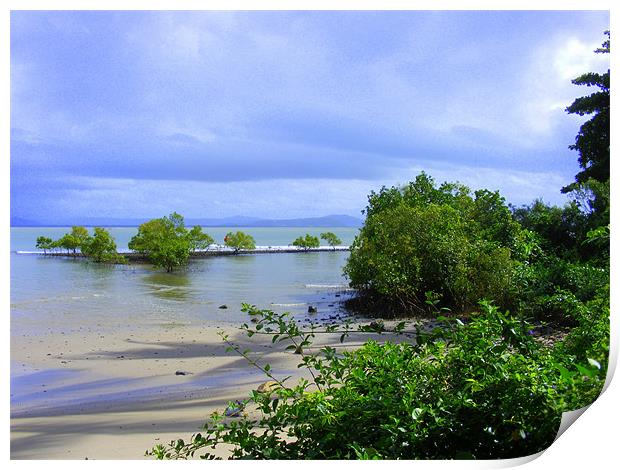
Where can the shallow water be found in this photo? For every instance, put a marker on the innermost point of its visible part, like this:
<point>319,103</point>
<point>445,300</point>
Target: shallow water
<point>53,295</point>
<point>64,296</point>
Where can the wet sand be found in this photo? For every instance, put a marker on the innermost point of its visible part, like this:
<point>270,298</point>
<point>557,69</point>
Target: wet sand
<point>113,396</point>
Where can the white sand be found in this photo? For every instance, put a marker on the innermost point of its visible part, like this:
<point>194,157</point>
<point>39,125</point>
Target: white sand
<point>113,396</point>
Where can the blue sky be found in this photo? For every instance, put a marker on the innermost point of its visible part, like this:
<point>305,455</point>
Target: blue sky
<point>288,114</point>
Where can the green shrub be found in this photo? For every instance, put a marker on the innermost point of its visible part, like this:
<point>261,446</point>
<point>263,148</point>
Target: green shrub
<point>484,389</point>
<point>547,287</point>
<point>421,238</point>
<point>561,230</point>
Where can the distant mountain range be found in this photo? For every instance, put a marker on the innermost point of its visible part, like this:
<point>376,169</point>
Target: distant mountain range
<point>235,221</point>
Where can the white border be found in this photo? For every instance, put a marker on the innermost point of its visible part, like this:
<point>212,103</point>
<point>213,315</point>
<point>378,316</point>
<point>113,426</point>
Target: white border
<point>591,442</point>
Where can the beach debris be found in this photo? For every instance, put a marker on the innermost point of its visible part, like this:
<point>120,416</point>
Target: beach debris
<point>234,409</point>
<point>223,306</point>
<point>312,309</point>
<point>182,372</point>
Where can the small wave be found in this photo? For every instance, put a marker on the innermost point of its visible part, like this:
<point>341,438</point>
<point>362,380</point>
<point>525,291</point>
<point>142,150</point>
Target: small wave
<point>288,305</point>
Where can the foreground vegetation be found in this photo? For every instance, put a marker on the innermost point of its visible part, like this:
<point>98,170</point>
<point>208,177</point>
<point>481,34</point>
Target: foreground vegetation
<point>485,389</point>
<point>483,385</point>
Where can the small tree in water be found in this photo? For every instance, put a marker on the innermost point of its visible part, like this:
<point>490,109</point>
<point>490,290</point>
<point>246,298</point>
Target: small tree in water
<point>166,241</point>
<point>44,243</point>
<point>198,240</point>
<point>307,242</point>
<point>101,248</point>
<point>331,239</point>
<point>239,241</point>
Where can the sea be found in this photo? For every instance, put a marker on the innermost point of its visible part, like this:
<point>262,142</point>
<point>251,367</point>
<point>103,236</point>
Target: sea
<point>50,295</point>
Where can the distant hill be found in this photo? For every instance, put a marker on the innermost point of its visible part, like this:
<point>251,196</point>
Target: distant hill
<point>235,221</point>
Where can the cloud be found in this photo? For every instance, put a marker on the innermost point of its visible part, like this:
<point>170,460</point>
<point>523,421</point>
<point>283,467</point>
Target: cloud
<point>575,57</point>
<point>70,196</point>
<point>205,99</point>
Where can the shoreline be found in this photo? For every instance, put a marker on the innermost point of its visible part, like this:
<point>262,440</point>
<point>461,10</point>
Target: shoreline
<point>113,396</point>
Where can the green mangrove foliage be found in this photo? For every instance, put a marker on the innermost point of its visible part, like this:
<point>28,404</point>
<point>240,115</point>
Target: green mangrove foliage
<point>167,243</point>
<point>74,240</point>
<point>198,240</point>
<point>100,247</point>
<point>485,389</point>
<point>331,239</point>
<point>45,243</point>
<point>239,241</point>
<point>422,237</point>
<point>306,242</point>
<point>559,230</point>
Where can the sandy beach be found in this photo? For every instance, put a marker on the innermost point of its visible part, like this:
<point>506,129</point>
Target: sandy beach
<point>115,395</point>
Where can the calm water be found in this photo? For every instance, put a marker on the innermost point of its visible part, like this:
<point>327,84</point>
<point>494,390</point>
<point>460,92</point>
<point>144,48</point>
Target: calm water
<point>49,295</point>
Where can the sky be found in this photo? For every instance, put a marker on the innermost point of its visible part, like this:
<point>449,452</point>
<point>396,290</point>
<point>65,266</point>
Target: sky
<point>281,114</point>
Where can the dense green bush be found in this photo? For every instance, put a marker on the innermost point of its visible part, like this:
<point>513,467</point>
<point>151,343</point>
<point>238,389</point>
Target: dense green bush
<point>561,231</point>
<point>541,283</point>
<point>485,389</point>
<point>421,238</point>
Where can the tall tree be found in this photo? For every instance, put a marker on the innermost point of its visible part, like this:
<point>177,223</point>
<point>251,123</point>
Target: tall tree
<point>592,141</point>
